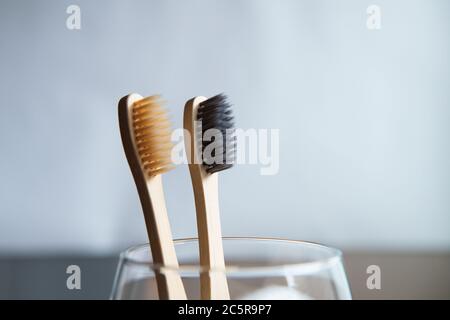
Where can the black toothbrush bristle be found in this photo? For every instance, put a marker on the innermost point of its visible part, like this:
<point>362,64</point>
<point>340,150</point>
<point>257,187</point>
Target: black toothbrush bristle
<point>215,113</point>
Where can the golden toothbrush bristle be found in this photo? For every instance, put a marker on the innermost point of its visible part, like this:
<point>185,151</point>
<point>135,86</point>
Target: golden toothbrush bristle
<point>152,130</point>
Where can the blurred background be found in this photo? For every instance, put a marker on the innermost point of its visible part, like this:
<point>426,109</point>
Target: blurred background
<point>363,116</point>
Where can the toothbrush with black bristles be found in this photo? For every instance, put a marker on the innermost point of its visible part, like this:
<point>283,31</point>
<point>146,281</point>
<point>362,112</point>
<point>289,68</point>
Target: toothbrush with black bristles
<point>200,115</point>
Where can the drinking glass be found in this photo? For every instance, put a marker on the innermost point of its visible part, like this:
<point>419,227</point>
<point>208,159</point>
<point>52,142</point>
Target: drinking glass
<point>256,268</point>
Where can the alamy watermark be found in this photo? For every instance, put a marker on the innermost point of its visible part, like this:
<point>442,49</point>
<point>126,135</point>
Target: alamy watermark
<point>373,21</point>
<point>73,21</point>
<point>73,281</point>
<point>238,146</point>
<point>374,279</point>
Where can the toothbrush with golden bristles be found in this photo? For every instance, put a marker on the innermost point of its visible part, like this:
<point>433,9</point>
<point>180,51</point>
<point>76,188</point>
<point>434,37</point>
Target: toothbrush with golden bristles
<point>200,115</point>
<point>145,131</point>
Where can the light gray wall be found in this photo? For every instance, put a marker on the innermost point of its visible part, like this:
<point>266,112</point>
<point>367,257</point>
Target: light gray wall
<point>363,118</point>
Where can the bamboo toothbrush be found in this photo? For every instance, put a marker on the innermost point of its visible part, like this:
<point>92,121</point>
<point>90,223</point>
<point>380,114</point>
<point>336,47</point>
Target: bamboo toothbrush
<point>213,113</point>
<point>145,131</point>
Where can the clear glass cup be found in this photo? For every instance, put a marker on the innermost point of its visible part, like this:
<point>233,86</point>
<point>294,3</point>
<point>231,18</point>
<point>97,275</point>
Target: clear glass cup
<point>256,268</point>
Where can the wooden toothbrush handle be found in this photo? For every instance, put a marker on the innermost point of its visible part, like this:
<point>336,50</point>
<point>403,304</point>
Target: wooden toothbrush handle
<point>150,189</point>
<point>213,280</point>
<point>170,285</point>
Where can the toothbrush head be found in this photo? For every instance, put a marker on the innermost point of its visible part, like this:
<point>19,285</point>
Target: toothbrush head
<point>217,133</point>
<point>151,130</point>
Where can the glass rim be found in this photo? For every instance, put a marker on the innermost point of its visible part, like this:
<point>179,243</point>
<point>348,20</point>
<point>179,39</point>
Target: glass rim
<point>333,257</point>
